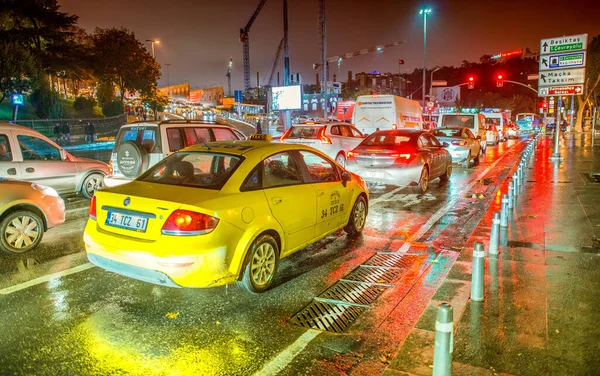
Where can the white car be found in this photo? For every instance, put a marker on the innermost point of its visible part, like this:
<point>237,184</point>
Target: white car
<point>334,139</point>
<point>492,136</point>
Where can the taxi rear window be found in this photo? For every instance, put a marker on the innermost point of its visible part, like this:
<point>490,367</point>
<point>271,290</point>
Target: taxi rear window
<point>209,170</point>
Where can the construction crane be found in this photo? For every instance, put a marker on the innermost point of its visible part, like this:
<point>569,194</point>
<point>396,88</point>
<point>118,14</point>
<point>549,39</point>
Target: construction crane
<point>379,48</point>
<point>228,75</point>
<point>274,64</point>
<point>246,44</point>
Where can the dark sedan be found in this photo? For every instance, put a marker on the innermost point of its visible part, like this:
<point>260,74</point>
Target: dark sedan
<point>401,157</point>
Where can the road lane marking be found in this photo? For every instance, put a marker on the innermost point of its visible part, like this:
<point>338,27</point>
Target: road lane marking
<point>46,278</point>
<point>288,354</point>
<point>385,196</point>
<point>443,210</point>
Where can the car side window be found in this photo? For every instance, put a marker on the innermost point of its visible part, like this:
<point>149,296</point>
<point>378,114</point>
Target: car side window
<point>335,130</point>
<point>423,142</point>
<point>319,168</point>
<point>36,149</point>
<point>433,141</point>
<point>224,134</point>
<point>356,133</point>
<point>190,136</point>
<point>469,133</point>
<point>253,181</point>
<point>174,138</point>
<point>345,131</point>
<point>5,152</point>
<point>280,170</point>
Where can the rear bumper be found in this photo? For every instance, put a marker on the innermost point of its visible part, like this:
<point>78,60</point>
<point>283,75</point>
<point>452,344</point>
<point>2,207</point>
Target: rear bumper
<point>389,175</point>
<point>458,155</point>
<point>54,210</point>
<point>131,271</point>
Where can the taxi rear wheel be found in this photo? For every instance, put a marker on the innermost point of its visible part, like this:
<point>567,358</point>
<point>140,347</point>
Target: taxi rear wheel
<point>358,217</point>
<point>261,265</point>
<point>21,231</point>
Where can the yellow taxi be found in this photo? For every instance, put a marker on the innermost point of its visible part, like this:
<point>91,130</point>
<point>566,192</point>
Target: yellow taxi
<point>223,212</point>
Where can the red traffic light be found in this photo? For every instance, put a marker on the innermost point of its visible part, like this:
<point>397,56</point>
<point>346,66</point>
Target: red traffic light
<point>499,76</point>
<point>471,79</point>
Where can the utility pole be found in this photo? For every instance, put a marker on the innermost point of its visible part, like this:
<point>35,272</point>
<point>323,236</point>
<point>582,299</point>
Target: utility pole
<point>168,81</point>
<point>287,121</point>
<point>229,76</point>
<point>323,41</point>
<point>424,12</point>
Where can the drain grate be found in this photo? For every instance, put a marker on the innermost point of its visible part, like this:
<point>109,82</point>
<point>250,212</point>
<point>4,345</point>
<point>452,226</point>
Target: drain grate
<point>592,177</point>
<point>327,316</point>
<point>352,292</point>
<point>391,260</point>
<point>374,274</point>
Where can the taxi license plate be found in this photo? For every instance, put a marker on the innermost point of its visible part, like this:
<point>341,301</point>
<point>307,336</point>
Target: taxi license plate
<point>128,222</point>
<point>374,174</point>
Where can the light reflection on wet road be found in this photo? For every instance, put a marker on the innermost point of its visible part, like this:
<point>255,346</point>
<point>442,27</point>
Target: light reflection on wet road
<point>99,323</point>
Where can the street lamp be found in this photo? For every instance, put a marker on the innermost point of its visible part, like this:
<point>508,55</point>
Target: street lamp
<point>153,41</point>
<point>168,82</point>
<point>424,12</point>
<point>431,82</point>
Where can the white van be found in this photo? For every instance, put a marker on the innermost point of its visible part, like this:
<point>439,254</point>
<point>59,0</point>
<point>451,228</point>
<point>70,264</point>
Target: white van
<point>373,113</point>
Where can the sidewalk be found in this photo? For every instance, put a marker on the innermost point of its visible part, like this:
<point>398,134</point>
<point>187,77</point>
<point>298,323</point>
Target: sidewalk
<point>542,295</point>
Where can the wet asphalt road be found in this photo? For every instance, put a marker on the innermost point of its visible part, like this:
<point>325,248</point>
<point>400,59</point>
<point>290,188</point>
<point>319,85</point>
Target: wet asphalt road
<point>97,323</point>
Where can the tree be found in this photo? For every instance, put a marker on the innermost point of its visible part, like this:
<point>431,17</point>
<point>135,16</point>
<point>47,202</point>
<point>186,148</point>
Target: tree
<point>156,99</point>
<point>16,66</point>
<point>590,96</point>
<point>122,60</point>
<point>105,92</point>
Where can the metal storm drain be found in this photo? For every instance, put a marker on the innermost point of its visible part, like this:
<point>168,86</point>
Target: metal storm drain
<point>327,316</point>
<point>592,177</point>
<point>338,306</point>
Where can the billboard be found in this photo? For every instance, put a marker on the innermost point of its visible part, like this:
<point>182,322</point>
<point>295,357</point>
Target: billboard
<point>446,95</point>
<point>286,98</point>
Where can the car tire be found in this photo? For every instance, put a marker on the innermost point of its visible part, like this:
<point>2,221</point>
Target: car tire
<point>358,217</point>
<point>341,159</point>
<point>91,184</point>
<point>448,173</point>
<point>261,265</point>
<point>423,183</point>
<point>28,224</point>
<point>477,157</point>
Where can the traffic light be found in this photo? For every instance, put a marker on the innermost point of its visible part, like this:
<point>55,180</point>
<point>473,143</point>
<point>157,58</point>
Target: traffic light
<point>471,83</point>
<point>500,81</point>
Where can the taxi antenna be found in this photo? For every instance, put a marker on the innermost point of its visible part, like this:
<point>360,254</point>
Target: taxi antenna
<point>205,144</point>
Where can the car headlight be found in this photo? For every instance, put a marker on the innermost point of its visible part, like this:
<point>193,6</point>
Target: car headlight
<point>47,191</point>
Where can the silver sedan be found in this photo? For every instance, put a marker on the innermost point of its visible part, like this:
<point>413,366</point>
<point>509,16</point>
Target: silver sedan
<point>401,157</point>
<point>463,146</point>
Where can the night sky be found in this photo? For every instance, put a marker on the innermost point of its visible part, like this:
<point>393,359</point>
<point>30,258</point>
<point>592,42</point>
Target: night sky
<point>197,37</point>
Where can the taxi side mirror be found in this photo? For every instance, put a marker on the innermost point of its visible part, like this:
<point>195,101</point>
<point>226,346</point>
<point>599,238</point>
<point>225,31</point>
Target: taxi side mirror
<point>346,177</point>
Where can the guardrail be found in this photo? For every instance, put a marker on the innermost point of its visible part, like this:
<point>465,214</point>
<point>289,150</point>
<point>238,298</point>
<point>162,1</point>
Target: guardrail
<point>102,126</point>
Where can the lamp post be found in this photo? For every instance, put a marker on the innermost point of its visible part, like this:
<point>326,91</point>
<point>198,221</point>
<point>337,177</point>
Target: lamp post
<point>431,81</point>
<point>424,12</point>
<point>153,42</point>
<point>168,81</point>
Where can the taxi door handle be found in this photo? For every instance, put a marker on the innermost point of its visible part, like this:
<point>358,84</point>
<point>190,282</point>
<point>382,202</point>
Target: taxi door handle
<point>276,200</point>
<point>12,171</point>
<point>320,193</point>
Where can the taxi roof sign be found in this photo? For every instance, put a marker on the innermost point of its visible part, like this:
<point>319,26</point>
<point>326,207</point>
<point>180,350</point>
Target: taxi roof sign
<point>261,137</point>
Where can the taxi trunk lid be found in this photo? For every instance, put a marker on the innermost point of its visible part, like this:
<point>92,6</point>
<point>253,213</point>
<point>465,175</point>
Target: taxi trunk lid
<point>140,209</point>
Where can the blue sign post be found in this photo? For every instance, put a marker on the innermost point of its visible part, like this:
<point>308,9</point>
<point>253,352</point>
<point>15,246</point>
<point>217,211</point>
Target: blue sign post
<point>238,96</point>
<point>17,100</point>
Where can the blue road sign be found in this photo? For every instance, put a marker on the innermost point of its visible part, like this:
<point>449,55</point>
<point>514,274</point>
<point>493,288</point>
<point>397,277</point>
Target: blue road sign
<point>17,99</point>
<point>562,61</point>
<point>238,96</point>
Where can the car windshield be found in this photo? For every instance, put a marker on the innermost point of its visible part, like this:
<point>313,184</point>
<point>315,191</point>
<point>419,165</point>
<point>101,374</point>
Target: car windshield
<point>494,121</point>
<point>447,132</point>
<point>458,121</point>
<point>143,135</point>
<point>193,169</point>
<point>304,132</point>
<point>385,139</point>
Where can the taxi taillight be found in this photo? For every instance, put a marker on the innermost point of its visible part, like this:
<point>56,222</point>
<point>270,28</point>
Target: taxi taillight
<point>324,139</point>
<point>92,209</point>
<point>110,166</point>
<point>186,223</point>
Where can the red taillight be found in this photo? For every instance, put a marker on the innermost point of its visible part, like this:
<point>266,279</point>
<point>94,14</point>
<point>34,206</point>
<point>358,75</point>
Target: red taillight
<point>394,126</point>
<point>402,156</point>
<point>92,209</point>
<point>186,222</point>
<point>285,135</point>
<point>459,143</point>
<point>324,139</point>
<point>352,154</point>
